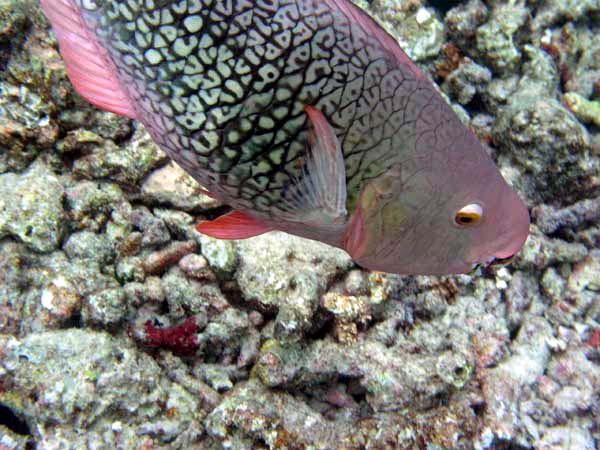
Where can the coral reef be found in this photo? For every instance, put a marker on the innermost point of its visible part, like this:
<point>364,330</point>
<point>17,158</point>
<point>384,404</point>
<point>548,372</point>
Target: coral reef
<point>84,380</point>
<point>121,326</point>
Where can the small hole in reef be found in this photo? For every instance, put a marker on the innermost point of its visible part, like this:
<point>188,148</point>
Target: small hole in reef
<point>478,408</point>
<point>444,5</point>
<point>502,444</point>
<point>512,333</point>
<point>11,421</point>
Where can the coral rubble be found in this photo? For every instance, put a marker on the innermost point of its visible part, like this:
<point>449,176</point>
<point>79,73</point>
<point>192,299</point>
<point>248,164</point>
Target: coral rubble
<point>121,326</point>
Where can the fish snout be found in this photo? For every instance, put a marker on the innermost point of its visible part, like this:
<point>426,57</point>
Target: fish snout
<point>514,233</point>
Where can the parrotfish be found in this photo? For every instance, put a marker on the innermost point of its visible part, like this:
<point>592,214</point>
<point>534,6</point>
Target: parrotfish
<point>304,116</point>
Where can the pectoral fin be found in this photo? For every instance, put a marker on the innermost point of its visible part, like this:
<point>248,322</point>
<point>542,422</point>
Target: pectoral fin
<point>234,225</point>
<point>318,195</point>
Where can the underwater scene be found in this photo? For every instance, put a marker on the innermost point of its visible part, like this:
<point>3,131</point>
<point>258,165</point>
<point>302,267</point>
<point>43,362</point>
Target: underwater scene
<point>300,224</point>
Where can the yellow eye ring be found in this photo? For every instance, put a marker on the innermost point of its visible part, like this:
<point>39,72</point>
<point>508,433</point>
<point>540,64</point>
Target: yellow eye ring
<point>469,215</point>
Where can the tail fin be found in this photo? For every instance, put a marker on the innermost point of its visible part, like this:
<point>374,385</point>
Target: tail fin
<point>88,65</point>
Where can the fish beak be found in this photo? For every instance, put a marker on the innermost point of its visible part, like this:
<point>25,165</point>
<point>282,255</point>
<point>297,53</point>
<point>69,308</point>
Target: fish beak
<point>491,263</point>
<point>501,261</point>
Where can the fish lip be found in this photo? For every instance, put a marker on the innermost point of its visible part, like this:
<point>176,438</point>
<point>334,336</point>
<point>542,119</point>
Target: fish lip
<point>494,261</point>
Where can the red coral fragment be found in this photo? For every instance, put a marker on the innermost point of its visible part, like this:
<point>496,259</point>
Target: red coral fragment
<point>594,340</point>
<point>181,339</point>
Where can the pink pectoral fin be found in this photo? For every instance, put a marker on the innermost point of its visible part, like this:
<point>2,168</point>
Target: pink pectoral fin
<point>235,225</point>
<point>317,196</point>
<point>88,64</point>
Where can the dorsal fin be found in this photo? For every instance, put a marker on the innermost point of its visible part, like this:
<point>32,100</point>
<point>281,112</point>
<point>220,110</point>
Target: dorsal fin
<point>371,28</point>
<point>88,65</point>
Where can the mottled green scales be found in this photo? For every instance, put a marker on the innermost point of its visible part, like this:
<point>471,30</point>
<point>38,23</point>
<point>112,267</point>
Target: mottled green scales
<point>221,86</point>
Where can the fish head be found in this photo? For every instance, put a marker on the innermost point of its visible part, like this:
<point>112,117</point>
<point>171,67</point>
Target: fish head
<point>437,214</point>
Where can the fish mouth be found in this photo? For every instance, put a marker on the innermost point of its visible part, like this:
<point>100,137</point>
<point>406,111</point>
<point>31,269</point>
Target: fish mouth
<point>502,261</point>
<point>493,262</point>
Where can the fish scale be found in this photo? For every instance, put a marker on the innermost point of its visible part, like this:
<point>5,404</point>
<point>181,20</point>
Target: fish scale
<point>221,86</point>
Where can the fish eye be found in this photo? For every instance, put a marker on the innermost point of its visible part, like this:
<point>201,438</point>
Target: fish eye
<point>469,215</point>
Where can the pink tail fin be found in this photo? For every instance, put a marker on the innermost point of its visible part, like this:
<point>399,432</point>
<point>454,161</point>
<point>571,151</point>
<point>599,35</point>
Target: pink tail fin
<point>88,66</point>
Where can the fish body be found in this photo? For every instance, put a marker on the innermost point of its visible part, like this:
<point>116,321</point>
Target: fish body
<point>304,116</point>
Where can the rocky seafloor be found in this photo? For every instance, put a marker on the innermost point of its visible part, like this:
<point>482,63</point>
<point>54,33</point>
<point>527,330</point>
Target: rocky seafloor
<point>122,327</point>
